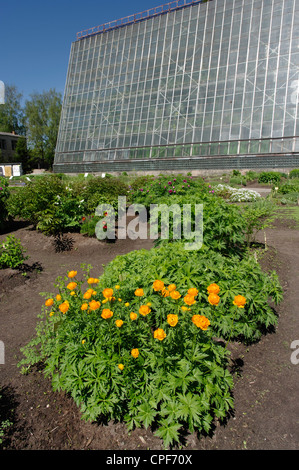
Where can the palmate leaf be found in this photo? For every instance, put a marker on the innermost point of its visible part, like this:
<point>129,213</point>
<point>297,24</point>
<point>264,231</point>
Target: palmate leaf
<point>146,414</point>
<point>189,409</point>
<point>168,432</point>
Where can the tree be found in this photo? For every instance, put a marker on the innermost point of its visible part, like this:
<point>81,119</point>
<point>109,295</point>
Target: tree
<point>23,154</point>
<point>42,121</point>
<point>11,112</point>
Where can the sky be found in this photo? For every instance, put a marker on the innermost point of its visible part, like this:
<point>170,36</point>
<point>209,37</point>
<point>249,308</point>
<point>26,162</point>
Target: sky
<point>36,37</point>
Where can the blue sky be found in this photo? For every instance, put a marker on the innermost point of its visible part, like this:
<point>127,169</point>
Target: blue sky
<point>36,36</point>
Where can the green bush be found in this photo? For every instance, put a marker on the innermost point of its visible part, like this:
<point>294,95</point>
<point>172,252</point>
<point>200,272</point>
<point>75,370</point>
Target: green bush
<point>269,177</point>
<point>12,253</point>
<point>146,353</point>
<point>4,195</point>
<point>294,173</point>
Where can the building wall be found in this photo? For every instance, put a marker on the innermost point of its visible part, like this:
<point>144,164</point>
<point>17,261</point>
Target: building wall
<point>8,144</point>
<point>216,79</point>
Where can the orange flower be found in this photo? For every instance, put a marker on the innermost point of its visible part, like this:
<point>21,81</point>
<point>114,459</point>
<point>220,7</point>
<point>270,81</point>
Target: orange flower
<point>214,299</point>
<point>201,321</point>
<point>58,297</point>
<point>72,274</point>
<point>94,305</point>
<point>175,295</point>
<point>106,313</point>
<point>119,323</point>
<point>135,353</point>
<point>121,366</point>
<point>193,291</point>
<point>92,280</point>
<point>144,310</point>
<point>159,334</point>
<point>64,307</point>
<point>133,316</point>
<point>165,292</point>
<point>139,292</point>
<point>87,295</point>
<point>108,293</point>
<point>84,306</point>
<point>49,302</point>
<point>189,299</point>
<point>239,301</point>
<point>171,287</point>
<point>72,285</point>
<point>213,289</point>
<point>158,285</point>
<point>172,319</point>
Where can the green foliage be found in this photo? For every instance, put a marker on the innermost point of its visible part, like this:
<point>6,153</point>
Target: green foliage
<point>4,195</point>
<point>11,112</point>
<point>102,191</point>
<point>289,187</point>
<point>88,225</point>
<point>12,253</point>
<point>258,216</point>
<point>269,177</point>
<point>294,173</point>
<point>49,204</point>
<point>42,113</point>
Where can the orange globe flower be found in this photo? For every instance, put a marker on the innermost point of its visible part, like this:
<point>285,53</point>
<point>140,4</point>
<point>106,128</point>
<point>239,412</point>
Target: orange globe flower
<point>189,299</point>
<point>135,353</point>
<point>87,295</point>
<point>133,316</point>
<point>106,313</point>
<point>58,297</point>
<point>201,321</point>
<point>172,319</point>
<point>171,287</point>
<point>94,305</point>
<point>144,310</point>
<point>49,302</point>
<point>159,334</point>
<point>213,289</point>
<point>175,295</point>
<point>121,366</point>
<point>72,274</point>
<point>158,285</point>
<point>214,299</point>
<point>64,307</point>
<point>108,293</point>
<point>84,306</point>
<point>239,301</point>
<point>165,292</point>
<point>92,280</point>
<point>139,292</point>
<point>193,291</point>
<point>119,323</point>
<point>72,285</point>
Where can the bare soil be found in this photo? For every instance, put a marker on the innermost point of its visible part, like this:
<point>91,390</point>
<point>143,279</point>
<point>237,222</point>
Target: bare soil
<point>266,415</point>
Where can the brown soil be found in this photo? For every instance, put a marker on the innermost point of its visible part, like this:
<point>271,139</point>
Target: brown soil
<point>266,412</point>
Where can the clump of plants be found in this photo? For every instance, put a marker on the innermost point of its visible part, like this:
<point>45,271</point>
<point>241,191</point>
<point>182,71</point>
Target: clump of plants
<point>12,253</point>
<point>4,195</point>
<point>139,344</point>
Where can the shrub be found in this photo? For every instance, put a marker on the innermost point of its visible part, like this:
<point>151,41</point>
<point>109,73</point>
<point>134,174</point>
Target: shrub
<point>269,177</point>
<point>4,195</point>
<point>294,173</point>
<point>138,344</point>
<point>102,190</point>
<point>12,253</point>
